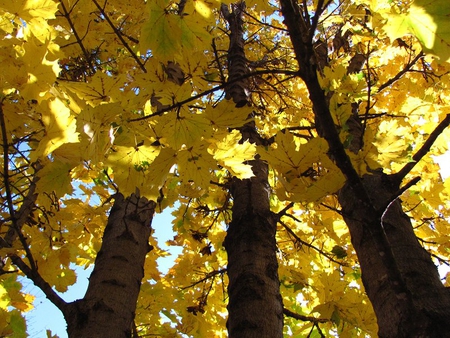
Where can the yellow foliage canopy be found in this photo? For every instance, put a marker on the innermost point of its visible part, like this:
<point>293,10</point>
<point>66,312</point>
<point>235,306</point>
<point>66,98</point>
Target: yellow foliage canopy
<point>129,95</point>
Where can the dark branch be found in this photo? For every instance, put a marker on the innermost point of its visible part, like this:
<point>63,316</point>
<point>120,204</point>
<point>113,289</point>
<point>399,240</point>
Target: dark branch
<point>40,283</point>
<point>86,54</point>
<point>291,314</point>
<point>209,275</point>
<point>120,36</point>
<point>299,240</point>
<point>398,76</point>
<point>398,177</point>
<point>212,90</point>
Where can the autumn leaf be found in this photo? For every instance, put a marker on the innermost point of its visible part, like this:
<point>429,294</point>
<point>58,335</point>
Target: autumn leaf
<point>60,128</point>
<point>233,155</point>
<point>428,21</point>
<point>161,32</point>
<point>55,176</point>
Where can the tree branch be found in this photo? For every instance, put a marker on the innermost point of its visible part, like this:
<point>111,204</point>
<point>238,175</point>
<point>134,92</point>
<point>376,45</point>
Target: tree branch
<point>299,240</point>
<point>398,76</point>
<point>208,276</point>
<point>212,90</point>
<point>398,177</point>
<point>294,315</point>
<point>87,55</point>
<point>33,275</point>
<point>308,73</point>
<point>119,35</point>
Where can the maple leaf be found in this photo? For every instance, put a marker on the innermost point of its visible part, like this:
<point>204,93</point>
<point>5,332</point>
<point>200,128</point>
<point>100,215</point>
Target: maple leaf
<point>130,165</point>
<point>29,9</point>
<point>226,115</point>
<point>195,165</point>
<point>232,155</point>
<point>428,21</point>
<point>55,176</point>
<point>161,32</point>
<point>60,128</point>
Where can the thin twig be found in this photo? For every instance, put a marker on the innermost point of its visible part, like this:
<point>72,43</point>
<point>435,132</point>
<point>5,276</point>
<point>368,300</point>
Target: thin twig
<point>299,240</point>
<point>178,105</point>
<point>304,318</point>
<point>397,77</point>
<point>120,36</point>
<point>40,283</point>
<point>79,40</point>
<point>398,177</point>
<point>208,276</point>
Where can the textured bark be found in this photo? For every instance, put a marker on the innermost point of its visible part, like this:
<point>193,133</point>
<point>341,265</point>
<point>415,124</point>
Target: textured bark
<point>423,309</point>
<point>107,310</point>
<point>399,276</point>
<point>255,305</point>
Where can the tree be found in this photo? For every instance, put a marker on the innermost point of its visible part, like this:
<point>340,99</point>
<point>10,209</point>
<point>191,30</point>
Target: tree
<point>295,142</point>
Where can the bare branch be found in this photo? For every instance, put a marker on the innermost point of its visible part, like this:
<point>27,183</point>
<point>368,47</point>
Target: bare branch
<point>208,276</point>
<point>66,14</point>
<point>398,76</point>
<point>299,240</point>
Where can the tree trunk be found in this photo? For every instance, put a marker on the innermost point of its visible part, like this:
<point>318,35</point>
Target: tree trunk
<point>107,310</point>
<point>424,309</point>
<point>399,276</point>
<point>255,305</point>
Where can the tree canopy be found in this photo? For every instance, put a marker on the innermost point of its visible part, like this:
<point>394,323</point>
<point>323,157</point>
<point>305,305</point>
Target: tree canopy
<point>106,102</point>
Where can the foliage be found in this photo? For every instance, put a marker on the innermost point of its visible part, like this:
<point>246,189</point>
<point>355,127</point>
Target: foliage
<point>99,97</point>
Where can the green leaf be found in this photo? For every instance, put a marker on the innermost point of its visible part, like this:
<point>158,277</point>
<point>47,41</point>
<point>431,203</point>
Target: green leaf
<point>339,252</point>
<point>161,32</point>
<point>18,325</point>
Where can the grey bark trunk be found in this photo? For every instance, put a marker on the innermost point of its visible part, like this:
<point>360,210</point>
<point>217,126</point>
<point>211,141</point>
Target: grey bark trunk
<point>107,310</point>
<point>255,305</point>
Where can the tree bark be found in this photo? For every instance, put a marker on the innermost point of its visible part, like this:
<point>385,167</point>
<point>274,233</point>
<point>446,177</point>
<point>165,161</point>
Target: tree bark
<point>255,305</point>
<point>399,276</point>
<point>107,310</point>
<point>424,309</point>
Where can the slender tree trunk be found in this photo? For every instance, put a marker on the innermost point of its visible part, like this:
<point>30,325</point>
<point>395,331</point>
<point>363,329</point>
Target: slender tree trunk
<point>399,276</point>
<point>107,310</point>
<point>255,306</point>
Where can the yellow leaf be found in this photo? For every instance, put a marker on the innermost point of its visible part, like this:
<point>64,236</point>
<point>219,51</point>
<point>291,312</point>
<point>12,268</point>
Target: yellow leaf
<point>28,9</point>
<point>428,21</point>
<point>232,155</point>
<point>195,165</point>
<point>60,128</point>
<point>226,115</point>
<point>130,165</point>
<point>161,32</point>
<point>55,176</point>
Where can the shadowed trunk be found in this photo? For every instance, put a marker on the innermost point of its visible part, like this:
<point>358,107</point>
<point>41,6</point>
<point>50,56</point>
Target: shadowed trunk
<point>399,276</point>
<point>107,310</point>
<point>255,306</point>
<point>423,308</point>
